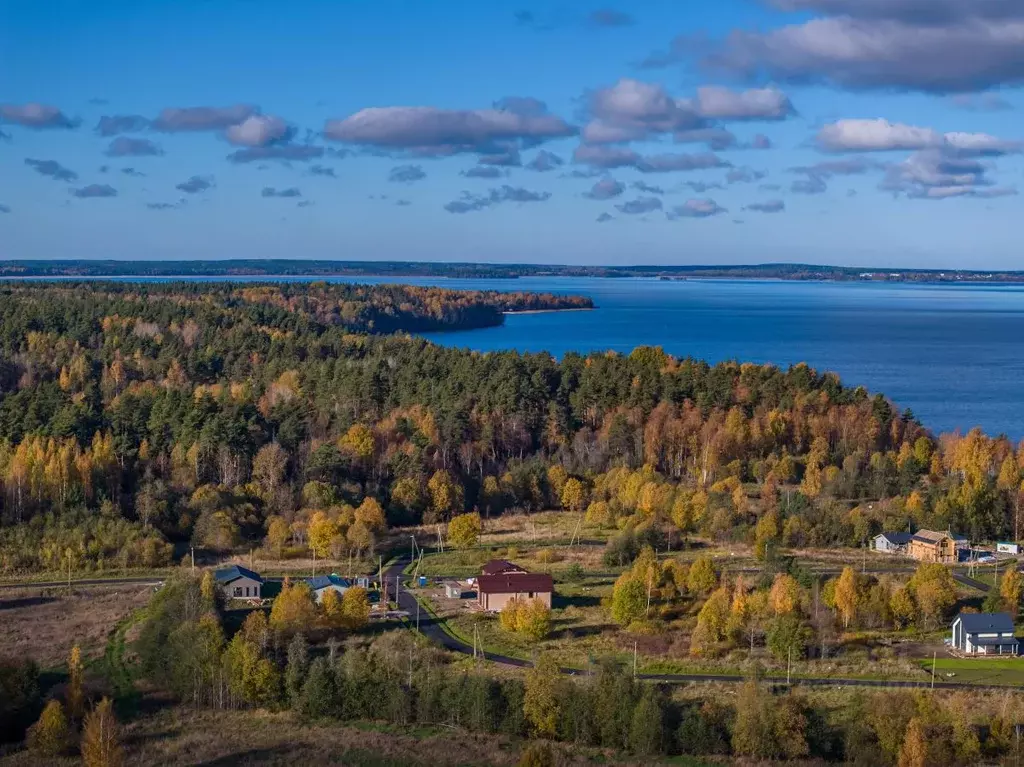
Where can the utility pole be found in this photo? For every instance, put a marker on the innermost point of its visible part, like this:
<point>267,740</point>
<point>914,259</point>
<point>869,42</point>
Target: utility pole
<point>417,615</point>
<point>933,670</point>
<point>634,660</point>
<point>789,666</point>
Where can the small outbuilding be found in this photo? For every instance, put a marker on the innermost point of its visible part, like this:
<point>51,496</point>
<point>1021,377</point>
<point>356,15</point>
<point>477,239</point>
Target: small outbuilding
<point>984,634</point>
<point>236,582</point>
<point>453,589</point>
<point>321,584</point>
<point>1008,548</point>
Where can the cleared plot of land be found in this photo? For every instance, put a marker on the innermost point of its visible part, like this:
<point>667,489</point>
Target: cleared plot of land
<point>178,736</point>
<point>44,624</point>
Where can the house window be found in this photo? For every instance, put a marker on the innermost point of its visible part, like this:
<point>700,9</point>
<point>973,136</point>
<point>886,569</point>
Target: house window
<point>238,591</point>
<point>531,595</point>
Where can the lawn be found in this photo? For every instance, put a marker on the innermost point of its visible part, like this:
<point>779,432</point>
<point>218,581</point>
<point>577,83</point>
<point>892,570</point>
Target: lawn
<point>1001,671</point>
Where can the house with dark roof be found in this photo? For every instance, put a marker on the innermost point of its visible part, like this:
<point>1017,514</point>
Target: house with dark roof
<point>984,634</point>
<point>892,543</point>
<point>321,584</point>
<point>237,582</point>
<point>499,567</point>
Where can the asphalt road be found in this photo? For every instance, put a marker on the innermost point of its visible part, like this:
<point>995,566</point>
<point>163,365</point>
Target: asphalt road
<point>431,628</point>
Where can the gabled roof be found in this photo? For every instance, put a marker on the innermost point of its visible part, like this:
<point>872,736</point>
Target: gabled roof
<point>323,581</point>
<point>515,583</point>
<point>985,623</point>
<point>233,573</point>
<point>498,566</point>
<point>930,536</point>
<point>897,539</point>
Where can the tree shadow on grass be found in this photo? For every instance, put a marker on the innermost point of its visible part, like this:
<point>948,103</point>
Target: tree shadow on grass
<point>578,632</point>
<point>581,600</point>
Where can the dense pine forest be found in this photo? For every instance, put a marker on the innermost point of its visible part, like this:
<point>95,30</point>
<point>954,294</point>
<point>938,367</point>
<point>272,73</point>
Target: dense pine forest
<point>134,416</point>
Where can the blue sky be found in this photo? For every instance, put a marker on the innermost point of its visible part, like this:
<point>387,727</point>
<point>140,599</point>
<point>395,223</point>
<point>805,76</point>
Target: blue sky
<point>868,132</point>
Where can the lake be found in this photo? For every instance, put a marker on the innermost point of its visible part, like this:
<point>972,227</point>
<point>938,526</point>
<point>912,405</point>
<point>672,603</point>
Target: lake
<point>953,354</point>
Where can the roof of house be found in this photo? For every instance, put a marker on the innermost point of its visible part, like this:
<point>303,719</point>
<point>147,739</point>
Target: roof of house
<point>233,573</point>
<point>453,585</point>
<point>897,539</point>
<point>985,623</point>
<point>323,581</point>
<point>498,566</point>
<point>930,536</point>
<point>515,583</point>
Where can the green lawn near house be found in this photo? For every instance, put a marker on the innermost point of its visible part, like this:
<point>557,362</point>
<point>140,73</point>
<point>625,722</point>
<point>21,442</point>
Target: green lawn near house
<point>1001,671</point>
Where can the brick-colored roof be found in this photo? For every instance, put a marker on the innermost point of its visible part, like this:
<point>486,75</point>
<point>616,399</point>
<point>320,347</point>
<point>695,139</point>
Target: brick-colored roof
<point>515,583</point>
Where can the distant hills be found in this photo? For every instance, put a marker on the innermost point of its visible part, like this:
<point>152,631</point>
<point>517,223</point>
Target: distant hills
<point>292,268</point>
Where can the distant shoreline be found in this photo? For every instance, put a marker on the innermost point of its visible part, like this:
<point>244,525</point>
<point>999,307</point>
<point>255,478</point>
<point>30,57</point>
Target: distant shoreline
<point>551,311</point>
<point>281,269</point>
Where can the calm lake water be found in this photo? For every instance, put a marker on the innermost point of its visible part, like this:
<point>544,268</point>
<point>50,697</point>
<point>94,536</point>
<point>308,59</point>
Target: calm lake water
<point>953,354</point>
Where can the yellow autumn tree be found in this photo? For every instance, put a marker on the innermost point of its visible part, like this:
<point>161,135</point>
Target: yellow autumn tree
<point>101,737</point>
<point>294,608</point>
<point>847,595</point>
<point>464,530</point>
<point>74,696</point>
<point>50,735</point>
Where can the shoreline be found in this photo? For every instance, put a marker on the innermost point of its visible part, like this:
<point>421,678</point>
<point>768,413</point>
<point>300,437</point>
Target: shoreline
<point>551,311</point>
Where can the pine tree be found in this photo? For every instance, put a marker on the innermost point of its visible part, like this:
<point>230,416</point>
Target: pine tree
<point>295,671</point>
<point>101,737</point>
<point>319,692</point>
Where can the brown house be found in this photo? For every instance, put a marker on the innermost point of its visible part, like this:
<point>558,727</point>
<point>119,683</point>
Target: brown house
<point>500,567</point>
<point>930,546</point>
<point>494,592</point>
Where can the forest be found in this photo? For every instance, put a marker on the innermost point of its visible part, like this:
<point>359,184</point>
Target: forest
<point>137,416</point>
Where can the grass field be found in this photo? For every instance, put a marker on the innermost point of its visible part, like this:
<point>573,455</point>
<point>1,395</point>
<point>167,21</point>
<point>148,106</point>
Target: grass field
<point>44,624</point>
<point>1001,671</point>
<point>180,736</point>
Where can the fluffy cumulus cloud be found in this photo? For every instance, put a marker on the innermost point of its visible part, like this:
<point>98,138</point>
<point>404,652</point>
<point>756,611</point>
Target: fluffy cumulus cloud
<point>605,189</point>
<point>438,132</point>
<point>883,136</point>
<point>697,209</point>
<point>184,119</point>
<point>406,174</point>
<point>51,168</point>
<point>716,138</point>
<point>936,174</point>
<point>771,206</point>
<point>634,110</point>
<point>544,161</point>
<point>112,125</point>
<point>195,185</point>
<point>35,115</point>
<point>95,190</point>
<point>470,202</point>
<point>257,130</point>
<point>283,152</point>
<point>123,146</point>
<point>718,103</point>
<point>640,206</point>
<point>937,46</point>
<point>269,191</point>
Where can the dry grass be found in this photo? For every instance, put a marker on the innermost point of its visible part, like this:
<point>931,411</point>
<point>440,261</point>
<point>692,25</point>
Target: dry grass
<point>44,624</point>
<point>180,736</point>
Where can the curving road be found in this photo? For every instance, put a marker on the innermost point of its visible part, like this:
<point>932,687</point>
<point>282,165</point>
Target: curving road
<point>433,629</point>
